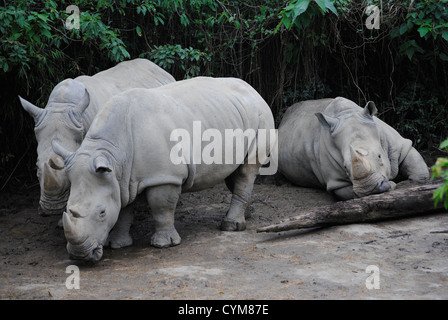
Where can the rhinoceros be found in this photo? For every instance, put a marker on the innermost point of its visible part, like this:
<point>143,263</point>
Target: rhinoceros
<point>336,145</point>
<point>130,149</point>
<point>70,110</point>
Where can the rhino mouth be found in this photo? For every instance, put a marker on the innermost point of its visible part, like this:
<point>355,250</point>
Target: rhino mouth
<point>372,185</point>
<point>86,251</point>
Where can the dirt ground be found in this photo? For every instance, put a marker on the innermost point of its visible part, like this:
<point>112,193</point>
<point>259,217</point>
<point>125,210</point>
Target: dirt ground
<point>409,255</point>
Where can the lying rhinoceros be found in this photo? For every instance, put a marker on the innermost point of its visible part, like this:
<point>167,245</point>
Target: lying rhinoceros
<point>130,148</point>
<point>336,145</point>
<point>70,110</point>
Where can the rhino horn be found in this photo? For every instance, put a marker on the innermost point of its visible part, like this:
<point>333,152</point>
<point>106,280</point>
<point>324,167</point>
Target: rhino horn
<point>69,226</point>
<point>360,165</point>
<point>50,182</point>
<point>33,110</point>
<point>370,109</point>
<point>60,151</point>
<point>73,223</point>
<point>85,101</point>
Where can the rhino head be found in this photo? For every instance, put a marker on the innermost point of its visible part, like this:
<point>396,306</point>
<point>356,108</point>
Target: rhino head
<point>61,119</point>
<point>94,203</point>
<point>356,147</point>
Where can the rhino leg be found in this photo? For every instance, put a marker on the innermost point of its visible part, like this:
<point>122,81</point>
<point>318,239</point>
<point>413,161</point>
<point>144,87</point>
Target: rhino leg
<point>345,193</point>
<point>414,168</point>
<point>120,236</point>
<point>163,200</point>
<point>240,183</point>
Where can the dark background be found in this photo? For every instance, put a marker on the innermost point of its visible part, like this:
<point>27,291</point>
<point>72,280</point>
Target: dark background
<point>287,50</point>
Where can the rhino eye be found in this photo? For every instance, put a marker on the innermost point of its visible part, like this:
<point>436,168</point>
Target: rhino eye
<point>102,213</point>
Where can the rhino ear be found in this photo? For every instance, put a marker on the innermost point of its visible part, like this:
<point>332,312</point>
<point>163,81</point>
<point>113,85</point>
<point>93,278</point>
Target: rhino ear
<point>102,165</point>
<point>327,122</point>
<point>33,110</point>
<point>83,104</point>
<point>370,109</point>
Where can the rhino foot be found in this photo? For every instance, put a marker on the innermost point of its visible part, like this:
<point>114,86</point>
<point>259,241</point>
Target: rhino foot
<point>165,238</point>
<point>233,225</point>
<point>117,240</point>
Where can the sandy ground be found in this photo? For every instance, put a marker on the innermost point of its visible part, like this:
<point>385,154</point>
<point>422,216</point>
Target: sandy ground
<point>407,257</point>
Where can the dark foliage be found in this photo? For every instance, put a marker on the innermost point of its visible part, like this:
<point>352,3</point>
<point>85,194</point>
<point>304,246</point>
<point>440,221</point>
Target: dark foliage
<point>287,50</point>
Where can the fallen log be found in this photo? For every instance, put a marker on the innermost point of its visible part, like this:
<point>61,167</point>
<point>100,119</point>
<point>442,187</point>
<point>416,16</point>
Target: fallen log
<point>393,204</point>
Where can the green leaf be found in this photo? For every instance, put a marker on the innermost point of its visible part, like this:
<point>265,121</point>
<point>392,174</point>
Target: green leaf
<point>395,33</point>
<point>36,38</point>
<point>43,17</point>
<point>15,36</point>
<point>330,5</point>
<point>444,144</point>
<point>445,35</point>
<point>184,20</point>
<point>322,5</point>
<point>326,5</point>
<point>423,31</point>
<point>443,57</point>
<point>286,21</point>
<point>139,31</point>
<point>403,29</point>
<point>300,7</point>
<point>46,33</point>
<point>409,48</point>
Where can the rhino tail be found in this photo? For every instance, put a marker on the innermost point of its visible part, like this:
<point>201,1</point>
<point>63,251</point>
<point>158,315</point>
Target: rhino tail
<point>188,183</point>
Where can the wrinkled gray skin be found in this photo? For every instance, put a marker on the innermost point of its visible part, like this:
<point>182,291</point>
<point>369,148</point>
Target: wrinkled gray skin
<point>336,145</point>
<point>70,110</point>
<point>127,152</point>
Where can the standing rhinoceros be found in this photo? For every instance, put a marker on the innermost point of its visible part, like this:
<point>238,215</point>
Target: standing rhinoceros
<point>336,145</point>
<point>70,110</point>
<point>130,148</point>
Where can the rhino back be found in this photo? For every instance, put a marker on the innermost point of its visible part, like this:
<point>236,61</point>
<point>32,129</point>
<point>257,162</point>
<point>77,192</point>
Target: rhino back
<point>141,121</point>
<point>299,143</point>
<point>137,73</point>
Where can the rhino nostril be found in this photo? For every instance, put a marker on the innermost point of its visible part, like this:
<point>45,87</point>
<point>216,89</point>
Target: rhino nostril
<point>96,254</point>
<point>385,186</point>
<point>74,213</point>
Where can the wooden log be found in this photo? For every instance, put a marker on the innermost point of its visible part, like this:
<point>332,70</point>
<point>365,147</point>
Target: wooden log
<point>393,204</point>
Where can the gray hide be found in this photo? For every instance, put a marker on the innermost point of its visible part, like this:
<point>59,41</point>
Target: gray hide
<point>70,110</point>
<point>128,151</point>
<point>336,145</point>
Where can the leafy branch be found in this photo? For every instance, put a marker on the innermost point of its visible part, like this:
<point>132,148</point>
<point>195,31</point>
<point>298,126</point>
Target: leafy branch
<point>440,170</point>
